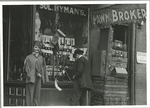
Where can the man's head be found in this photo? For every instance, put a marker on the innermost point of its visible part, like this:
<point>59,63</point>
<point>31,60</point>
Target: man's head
<point>37,47</point>
<point>77,53</point>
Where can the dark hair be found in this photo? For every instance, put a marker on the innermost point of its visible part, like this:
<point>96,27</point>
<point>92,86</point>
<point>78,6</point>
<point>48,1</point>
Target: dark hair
<point>37,43</point>
<point>74,55</point>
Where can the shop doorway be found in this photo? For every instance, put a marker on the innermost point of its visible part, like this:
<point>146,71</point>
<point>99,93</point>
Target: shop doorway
<point>116,42</point>
<point>123,34</point>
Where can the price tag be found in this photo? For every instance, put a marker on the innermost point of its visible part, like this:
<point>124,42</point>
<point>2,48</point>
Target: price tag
<point>141,57</point>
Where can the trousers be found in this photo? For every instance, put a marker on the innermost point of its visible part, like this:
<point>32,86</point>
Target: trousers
<point>78,96</point>
<point>33,93</point>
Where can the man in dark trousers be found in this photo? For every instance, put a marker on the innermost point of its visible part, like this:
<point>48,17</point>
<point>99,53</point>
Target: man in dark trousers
<point>35,68</point>
<point>82,79</point>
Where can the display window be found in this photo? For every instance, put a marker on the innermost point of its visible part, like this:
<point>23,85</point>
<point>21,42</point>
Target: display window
<point>119,49</point>
<point>114,42</point>
<point>72,21</point>
<point>17,39</point>
<point>39,23</point>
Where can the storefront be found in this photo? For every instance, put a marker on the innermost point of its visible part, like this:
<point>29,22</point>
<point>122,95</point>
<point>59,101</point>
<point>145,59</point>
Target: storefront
<point>25,24</point>
<point>115,41</point>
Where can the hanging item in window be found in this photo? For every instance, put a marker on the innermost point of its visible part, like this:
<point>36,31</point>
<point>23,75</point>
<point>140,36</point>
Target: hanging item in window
<point>37,27</point>
<point>56,21</point>
<point>56,85</point>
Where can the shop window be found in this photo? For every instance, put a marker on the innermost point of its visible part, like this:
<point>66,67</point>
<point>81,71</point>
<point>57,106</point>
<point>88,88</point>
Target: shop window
<point>18,40</point>
<point>119,48</point>
<point>120,33</point>
<point>75,27</point>
<point>5,36</point>
<point>114,41</point>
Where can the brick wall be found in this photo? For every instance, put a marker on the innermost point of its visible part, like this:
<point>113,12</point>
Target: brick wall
<point>140,71</point>
<point>100,6</point>
<point>94,40</point>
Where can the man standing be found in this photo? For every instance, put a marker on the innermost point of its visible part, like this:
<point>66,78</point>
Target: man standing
<point>35,68</point>
<point>82,79</point>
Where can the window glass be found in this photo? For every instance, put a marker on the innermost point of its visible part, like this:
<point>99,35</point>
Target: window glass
<point>19,41</point>
<point>73,22</point>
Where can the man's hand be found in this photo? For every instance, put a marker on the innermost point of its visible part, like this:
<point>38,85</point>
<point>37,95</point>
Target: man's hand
<point>39,75</point>
<point>73,77</point>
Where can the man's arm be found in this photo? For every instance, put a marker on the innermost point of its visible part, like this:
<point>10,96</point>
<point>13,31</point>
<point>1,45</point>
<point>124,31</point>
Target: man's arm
<point>79,69</point>
<point>26,65</point>
<point>45,75</point>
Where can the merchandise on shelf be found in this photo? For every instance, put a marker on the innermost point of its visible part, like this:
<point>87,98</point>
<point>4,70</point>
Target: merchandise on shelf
<point>61,63</point>
<point>119,60</point>
<point>118,45</point>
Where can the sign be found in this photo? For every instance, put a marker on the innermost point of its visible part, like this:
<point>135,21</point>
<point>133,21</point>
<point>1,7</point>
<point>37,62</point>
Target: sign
<point>141,57</point>
<point>119,14</point>
<point>65,9</point>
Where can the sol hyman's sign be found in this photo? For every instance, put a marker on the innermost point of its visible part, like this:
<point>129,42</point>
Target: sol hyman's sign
<point>119,13</point>
<point>67,9</point>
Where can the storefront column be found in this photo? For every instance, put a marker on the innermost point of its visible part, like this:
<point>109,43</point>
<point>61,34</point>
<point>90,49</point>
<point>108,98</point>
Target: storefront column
<point>133,65</point>
<point>9,26</point>
<point>140,68</point>
<point>88,53</point>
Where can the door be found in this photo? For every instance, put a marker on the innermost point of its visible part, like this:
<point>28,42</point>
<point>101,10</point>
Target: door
<point>106,37</point>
